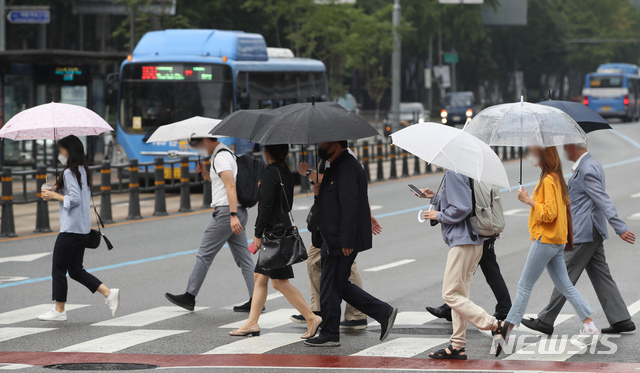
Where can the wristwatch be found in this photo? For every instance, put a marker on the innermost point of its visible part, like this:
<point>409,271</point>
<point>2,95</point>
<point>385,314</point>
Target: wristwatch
<point>308,172</point>
<point>233,214</point>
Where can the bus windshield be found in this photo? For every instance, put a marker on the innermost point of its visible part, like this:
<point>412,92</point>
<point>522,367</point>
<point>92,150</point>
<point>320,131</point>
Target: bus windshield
<point>606,81</point>
<point>154,95</point>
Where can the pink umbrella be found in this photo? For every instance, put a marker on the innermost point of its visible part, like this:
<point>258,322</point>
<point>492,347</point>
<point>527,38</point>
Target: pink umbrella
<point>54,121</point>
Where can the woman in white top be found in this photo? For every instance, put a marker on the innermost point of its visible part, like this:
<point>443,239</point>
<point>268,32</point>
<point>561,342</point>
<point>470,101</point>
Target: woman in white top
<point>73,190</point>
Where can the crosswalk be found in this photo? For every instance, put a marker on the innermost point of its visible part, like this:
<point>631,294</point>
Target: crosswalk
<point>146,326</point>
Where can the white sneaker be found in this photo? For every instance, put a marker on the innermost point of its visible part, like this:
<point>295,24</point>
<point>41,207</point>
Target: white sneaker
<point>486,333</point>
<point>588,336</point>
<point>113,301</point>
<point>53,315</point>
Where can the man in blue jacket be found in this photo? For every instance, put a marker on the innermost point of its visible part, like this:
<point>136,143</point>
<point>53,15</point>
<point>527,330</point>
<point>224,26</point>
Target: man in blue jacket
<point>591,208</point>
<point>451,208</point>
<point>344,221</point>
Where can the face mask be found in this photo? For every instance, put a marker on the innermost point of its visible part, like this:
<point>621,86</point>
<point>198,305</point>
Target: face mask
<point>62,159</point>
<point>203,152</point>
<point>324,154</point>
<point>535,161</point>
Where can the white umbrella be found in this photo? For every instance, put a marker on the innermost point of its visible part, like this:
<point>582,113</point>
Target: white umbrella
<point>453,149</point>
<point>184,130</point>
<point>525,124</point>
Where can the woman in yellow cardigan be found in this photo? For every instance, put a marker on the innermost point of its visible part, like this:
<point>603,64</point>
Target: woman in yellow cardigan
<point>548,226</point>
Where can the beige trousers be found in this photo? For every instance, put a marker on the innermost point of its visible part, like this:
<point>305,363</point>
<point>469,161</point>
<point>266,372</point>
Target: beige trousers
<point>462,262</point>
<point>314,268</point>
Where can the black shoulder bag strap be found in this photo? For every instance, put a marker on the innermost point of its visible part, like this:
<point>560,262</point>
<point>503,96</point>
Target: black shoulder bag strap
<point>100,224</point>
<point>472,234</point>
<point>213,161</point>
<point>286,199</point>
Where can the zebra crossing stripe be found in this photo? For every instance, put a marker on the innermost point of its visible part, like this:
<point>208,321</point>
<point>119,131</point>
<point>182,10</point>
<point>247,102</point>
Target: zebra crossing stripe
<point>15,366</point>
<point>402,347</point>
<point>268,320</point>
<point>12,333</point>
<point>30,313</point>
<point>120,341</point>
<point>150,316</point>
<point>257,345</point>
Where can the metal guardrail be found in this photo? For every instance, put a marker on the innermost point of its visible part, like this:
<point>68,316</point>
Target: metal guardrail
<point>379,160</point>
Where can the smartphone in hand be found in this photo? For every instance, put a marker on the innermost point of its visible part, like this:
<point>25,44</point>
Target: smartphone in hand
<point>416,191</point>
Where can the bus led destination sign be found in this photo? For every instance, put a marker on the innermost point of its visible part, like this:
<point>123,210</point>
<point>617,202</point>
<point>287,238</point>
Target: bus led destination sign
<point>176,72</point>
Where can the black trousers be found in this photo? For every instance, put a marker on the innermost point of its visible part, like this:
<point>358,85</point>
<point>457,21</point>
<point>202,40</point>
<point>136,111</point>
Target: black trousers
<point>335,287</point>
<point>68,255</point>
<point>491,270</point>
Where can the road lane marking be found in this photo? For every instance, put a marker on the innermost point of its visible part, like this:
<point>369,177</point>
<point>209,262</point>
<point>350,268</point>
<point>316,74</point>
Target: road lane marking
<point>634,308</point>
<point>12,333</point>
<point>636,195</point>
<point>402,347</point>
<point>257,345</point>
<point>120,341</point>
<point>517,212</point>
<point>529,352</point>
<point>268,320</point>
<point>23,258</point>
<point>635,216</point>
<point>30,313</point>
<point>4,279</point>
<point>390,265</point>
<point>409,318</point>
<point>15,366</point>
<point>150,316</point>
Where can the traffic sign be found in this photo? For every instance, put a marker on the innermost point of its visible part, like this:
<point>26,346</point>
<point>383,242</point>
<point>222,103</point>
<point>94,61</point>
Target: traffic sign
<point>29,16</point>
<point>451,58</point>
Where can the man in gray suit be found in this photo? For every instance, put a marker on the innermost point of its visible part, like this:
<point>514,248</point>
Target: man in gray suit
<point>591,207</point>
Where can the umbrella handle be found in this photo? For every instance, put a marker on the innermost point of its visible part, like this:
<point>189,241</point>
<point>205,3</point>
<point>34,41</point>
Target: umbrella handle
<point>421,214</point>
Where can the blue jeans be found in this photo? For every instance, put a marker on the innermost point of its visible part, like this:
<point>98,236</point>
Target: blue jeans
<point>543,255</point>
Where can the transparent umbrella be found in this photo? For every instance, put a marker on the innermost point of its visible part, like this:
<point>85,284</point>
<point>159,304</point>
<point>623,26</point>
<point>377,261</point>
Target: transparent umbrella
<point>525,124</point>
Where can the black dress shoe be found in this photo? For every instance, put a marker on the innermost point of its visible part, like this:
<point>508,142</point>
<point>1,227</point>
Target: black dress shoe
<point>536,324</point>
<point>620,327</point>
<point>320,341</point>
<point>186,300</point>
<point>442,312</point>
<point>387,324</point>
<point>246,307</point>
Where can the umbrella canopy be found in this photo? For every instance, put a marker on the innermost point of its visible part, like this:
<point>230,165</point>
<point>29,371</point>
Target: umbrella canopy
<point>453,149</point>
<point>243,124</point>
<point>310,123</point>
<point>184,129</point>
<point>588,119</point>
<point>525,124</point>
<point>54,121</point>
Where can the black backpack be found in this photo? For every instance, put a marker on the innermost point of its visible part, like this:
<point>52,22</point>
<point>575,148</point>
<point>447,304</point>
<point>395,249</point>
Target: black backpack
<point>249,173</point>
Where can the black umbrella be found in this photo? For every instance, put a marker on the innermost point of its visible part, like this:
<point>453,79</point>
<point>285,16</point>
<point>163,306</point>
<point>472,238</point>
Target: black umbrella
<point>243,124</point>
<point>311,123</point>
<point>588,119</point>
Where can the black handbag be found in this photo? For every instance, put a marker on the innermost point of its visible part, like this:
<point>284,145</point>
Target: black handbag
<point>283,247</point>
<point>96,235</point>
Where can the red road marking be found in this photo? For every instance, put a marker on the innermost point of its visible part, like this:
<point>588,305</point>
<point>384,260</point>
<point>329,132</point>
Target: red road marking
<point>307,361</point>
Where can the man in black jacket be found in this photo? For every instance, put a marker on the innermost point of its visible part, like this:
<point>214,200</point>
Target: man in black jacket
<point>344,220</point>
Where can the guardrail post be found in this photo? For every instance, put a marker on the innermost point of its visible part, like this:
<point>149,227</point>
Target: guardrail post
<point>380,175</point>
<point>392,157</point>
<point>416,166</point>
<point>429,169</point>
<point>105,191</point>
<point>513,153</point>
<point>42,206</point>
<point>160,208</point>
<point>134,191</point>
<point>405,164</point>
<point>365,161</point>
<point>206,187</point>
<point>8,226</point>
<point>185,198</point>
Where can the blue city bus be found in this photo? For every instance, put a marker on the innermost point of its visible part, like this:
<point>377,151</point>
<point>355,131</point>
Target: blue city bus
<point>177,74</point>
<point>613,91</point>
